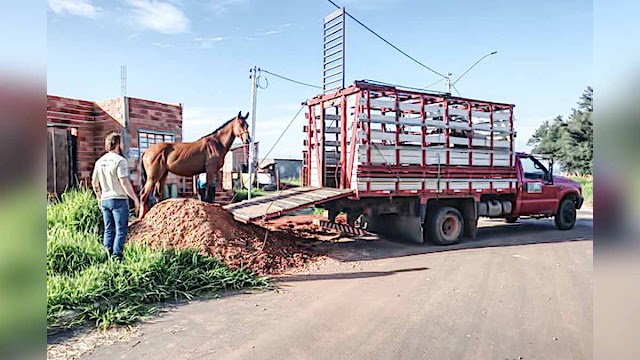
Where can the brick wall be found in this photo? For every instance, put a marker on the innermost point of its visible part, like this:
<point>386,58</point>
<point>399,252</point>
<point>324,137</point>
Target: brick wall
<point>145,115</point>
<point>94,120</point>
<point>112,108</point>
<point>79,114</point>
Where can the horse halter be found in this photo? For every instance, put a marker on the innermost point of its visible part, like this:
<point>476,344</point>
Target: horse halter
<point>244,132</point>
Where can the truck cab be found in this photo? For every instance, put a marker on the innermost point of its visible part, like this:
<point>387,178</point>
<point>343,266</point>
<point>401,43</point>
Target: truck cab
<point>542,194</point>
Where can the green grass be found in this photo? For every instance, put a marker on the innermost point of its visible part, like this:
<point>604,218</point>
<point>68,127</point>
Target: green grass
<point>240,195</point>
<point>291,181</point>
<point>318,211</point>
<point>84,286</point>
<point>587,188</point>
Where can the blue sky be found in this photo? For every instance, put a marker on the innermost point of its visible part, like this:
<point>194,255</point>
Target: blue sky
<point>199,53</point>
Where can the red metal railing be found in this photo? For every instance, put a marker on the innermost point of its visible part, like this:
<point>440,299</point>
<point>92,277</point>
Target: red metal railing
<point>404,102</point>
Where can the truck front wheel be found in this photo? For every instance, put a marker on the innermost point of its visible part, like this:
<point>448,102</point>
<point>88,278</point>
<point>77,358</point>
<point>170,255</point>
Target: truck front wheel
<point>566,215</point>
<point>445,226</point>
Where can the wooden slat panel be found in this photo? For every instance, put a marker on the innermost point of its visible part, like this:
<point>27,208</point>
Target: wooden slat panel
<point>274,205</point>
<point>412,155</point>
<point>502,128</point>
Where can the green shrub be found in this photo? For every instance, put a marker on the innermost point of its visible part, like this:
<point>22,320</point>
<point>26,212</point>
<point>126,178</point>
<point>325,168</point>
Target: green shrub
<point>78,209</point>
<point>241,195</point>
<point>587,188</point>
<point>85,286</point>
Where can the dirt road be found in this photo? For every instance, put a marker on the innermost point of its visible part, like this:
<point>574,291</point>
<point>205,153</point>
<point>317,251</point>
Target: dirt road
<point>521,291</point>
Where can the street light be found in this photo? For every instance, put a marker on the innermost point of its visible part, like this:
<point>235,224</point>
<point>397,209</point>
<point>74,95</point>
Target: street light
<point>448,77</point>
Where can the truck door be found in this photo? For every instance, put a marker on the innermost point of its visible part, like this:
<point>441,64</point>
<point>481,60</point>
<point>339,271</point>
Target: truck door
<point>538,193</point>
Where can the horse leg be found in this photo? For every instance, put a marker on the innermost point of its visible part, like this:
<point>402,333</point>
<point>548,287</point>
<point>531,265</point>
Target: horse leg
<point>160,186</point>
<point>144,196</point>
<point>154,175</point>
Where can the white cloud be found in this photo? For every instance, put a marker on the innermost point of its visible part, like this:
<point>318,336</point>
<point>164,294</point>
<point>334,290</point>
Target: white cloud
<point>161,45</point>
<point>221,6</point>
<point>277,30</point>
<point>83,8</point>
<point>207,42</point>
<point>159,16</point>
<point>270,32</point>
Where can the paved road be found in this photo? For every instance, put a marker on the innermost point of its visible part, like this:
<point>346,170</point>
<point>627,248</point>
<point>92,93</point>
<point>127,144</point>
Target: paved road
<point>519,291</point>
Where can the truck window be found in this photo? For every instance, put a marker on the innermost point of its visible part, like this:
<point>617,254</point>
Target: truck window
<point>531,169</point>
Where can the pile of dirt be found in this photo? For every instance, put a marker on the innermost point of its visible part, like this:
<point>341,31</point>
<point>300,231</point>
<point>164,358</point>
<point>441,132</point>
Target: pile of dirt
<point>190,223</point>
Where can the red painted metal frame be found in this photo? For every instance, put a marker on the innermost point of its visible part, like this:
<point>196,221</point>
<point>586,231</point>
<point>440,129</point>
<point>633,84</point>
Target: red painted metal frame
<point>368,91</point>
<point>354,139</point>
<point>343,142</point>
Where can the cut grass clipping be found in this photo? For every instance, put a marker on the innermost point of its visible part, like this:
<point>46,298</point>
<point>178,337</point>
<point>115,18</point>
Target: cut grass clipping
<point>85,287</point>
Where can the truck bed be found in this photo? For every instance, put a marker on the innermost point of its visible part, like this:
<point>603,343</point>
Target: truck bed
<point>381,140</point>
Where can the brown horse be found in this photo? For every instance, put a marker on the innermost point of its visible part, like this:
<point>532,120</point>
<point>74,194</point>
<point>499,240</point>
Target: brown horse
<point>187,159</point>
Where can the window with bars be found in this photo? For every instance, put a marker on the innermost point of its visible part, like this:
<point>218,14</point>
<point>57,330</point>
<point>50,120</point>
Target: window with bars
<point>149,138</point>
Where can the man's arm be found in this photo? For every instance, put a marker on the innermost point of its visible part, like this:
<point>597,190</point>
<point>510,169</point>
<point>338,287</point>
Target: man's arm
<point>123,176</point>
<point>128,188</point>
<point>95,183</point>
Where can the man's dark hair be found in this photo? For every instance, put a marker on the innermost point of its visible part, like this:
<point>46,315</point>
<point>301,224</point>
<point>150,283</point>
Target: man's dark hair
<point>112,141</point>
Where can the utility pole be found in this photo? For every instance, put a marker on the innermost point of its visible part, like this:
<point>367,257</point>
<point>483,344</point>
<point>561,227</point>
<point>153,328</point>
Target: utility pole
<point>125,111</point>
<point>447,80</point>
<point>254,97</point>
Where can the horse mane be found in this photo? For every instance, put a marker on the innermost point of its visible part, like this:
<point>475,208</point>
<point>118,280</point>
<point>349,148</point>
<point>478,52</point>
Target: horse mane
<point>219,128</point>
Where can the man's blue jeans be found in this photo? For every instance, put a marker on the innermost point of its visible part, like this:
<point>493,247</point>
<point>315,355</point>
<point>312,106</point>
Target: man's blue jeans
<point>116,220</point>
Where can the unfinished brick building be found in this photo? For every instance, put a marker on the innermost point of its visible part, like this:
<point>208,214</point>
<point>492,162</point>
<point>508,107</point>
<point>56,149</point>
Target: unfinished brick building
<point>142,123</point>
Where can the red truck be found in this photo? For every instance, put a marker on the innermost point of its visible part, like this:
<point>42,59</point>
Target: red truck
<point>418,164</point>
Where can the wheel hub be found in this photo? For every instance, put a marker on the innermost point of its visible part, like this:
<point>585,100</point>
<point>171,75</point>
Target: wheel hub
<point>568,215</point>
<point>450,227</point>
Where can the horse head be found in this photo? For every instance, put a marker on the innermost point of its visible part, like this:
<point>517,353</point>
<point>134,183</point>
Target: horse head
<point>241,128</point>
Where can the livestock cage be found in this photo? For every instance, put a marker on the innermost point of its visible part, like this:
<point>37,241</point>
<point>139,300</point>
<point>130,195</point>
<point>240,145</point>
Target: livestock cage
<point>384,140</point>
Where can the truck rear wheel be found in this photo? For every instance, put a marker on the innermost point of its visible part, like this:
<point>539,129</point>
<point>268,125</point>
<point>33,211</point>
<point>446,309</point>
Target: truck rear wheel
<point>445,226</point>
<point>566,215</point>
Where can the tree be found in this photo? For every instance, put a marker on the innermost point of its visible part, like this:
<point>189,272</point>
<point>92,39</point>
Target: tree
<point>569,141</point>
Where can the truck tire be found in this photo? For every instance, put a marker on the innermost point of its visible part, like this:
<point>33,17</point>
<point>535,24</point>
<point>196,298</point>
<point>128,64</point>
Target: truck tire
<point>511,219</point>
<point>566,216</point>
<point>445,226</point>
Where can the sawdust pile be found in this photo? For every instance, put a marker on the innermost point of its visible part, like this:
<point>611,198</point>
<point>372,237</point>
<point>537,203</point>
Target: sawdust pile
<point>190,223</point>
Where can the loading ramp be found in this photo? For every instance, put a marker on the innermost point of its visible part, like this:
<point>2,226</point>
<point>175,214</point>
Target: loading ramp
<point>271,206</point>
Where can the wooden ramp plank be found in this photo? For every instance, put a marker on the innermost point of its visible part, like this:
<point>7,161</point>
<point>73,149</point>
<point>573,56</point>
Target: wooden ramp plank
<point>270,206</point>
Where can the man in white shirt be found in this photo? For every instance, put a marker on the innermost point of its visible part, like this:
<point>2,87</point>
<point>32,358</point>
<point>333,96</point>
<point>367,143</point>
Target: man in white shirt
<point>112,186</point>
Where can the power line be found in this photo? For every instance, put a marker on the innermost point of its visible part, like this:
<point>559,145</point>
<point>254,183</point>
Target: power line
<point>435,83</point>
<point>281,135</point>
<point>456,89</point>
<point>386,41</point>
<point>291,80</point>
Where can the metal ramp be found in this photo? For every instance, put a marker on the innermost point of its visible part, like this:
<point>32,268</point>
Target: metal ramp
<point>271,206</point>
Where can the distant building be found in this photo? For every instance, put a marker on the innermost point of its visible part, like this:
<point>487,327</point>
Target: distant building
<point>283,168</point>
<point>236,162</point>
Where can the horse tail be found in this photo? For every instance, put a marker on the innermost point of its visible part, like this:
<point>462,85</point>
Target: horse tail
<point>143,174</point>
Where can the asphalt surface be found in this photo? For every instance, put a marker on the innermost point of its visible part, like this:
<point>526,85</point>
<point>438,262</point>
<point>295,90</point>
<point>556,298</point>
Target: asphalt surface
<point>521,291</point>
